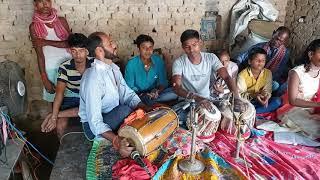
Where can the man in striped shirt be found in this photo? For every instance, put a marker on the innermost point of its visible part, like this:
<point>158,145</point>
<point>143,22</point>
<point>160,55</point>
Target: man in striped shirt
<point>68,86</point>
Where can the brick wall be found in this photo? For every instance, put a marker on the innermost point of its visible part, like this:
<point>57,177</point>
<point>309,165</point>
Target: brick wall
<point>305,30</point>
<point>123,19</point>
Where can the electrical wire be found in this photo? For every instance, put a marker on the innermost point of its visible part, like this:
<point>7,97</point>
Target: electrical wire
<point>26,148</point>
<point>68,134</point>
<point>7,118</point>
<point>34,171</point>
<point>12,138</point>
<point>38,161</point>
<point>24,161</point>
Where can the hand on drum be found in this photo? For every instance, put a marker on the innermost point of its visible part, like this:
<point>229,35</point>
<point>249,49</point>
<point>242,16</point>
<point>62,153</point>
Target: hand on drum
<point>125,149</point>
<point>239,105</point>
<point>144,107</point>
<point>206,104</point>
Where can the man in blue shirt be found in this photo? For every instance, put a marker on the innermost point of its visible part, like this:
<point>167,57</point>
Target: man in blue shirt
<point>105,98</point>
<point>146,74</point>
<point>277,56</point>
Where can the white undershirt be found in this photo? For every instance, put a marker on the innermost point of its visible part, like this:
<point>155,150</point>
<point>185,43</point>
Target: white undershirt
<point>54,56</point>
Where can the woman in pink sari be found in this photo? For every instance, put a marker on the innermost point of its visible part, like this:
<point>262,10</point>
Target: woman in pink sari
<point>302,112</point>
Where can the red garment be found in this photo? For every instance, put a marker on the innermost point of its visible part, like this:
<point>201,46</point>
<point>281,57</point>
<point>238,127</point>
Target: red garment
<point>276,59</point>
<point>266,159</point>
<point>128,169</point>
<point>286,105</point>
<point>137,114</point>
<point>41,32</point>
<point>316,98</point>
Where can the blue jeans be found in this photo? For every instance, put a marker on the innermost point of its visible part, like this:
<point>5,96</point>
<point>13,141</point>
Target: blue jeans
<point>279,89</point>
<point>275,86</point>
<point>166,95</point>
<point>274,103</point>
<point>114,119</point>
<point>282,89</point>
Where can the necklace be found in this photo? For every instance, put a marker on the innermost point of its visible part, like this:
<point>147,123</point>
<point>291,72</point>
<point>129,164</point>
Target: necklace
<point>147,65</point>
<point>315,69</point>
<point>317,73</point>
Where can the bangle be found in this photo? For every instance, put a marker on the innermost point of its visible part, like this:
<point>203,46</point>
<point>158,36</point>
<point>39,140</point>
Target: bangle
<point>116,146</point>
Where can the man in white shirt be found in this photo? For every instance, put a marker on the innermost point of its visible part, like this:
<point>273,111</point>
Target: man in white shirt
<point>105,98</point>
<point>191,73</point>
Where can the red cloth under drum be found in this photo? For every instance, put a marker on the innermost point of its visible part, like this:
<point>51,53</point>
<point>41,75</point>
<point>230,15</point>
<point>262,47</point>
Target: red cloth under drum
<point>128,169</point>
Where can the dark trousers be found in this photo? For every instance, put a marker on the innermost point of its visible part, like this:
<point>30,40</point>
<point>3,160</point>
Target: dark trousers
<point>114,119</point>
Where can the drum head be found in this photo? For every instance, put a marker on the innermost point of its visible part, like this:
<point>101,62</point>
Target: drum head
<point>134,138</point>
<point>213,115</point>
<point>148,133</point>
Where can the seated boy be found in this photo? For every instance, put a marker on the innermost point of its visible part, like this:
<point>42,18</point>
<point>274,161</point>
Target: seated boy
<point>255,83</point>
<point>218,87</point>
<point>146,74</point>
<point>68,85</point>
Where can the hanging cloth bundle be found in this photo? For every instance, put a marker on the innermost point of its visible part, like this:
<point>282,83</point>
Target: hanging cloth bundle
<point>245,10</point>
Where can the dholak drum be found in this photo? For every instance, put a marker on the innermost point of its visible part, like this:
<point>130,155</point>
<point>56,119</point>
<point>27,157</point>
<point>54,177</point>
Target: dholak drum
<point>148,133</point>
<point>247,118</point>
<point>208,123</point>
